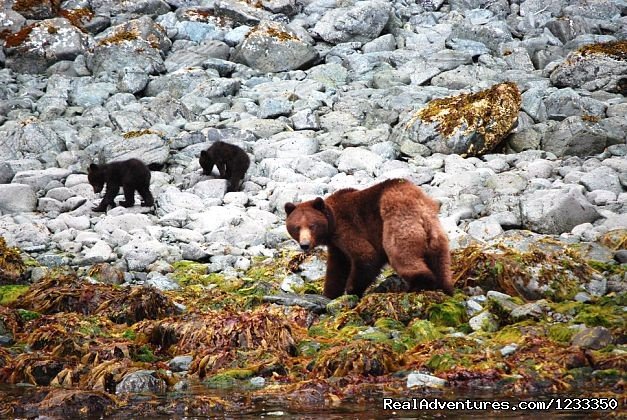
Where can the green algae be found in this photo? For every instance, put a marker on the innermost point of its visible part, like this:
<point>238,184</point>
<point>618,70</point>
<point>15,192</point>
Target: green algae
<point>447,314</point>
<point>27,315</point>
<point>144,354</point>
<point>561,333</point>
<point>442,362</point>
<point>10,293</point>
<point>422,330</point>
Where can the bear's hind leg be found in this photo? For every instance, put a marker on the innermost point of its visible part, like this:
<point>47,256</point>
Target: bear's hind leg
<point>440,264</point>
<point>338,268</point>
<point>416,274</point>
<point>129,196</point>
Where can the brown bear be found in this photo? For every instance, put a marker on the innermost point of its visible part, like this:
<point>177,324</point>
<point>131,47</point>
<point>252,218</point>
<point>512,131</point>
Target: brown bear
<point>133,175</point>
<point>391,222</point>
<point>232,162</point>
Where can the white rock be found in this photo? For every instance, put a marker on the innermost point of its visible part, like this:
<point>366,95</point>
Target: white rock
<point>423,380</point>
<point>17,198</point>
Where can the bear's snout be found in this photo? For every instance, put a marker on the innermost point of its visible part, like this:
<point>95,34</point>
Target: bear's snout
<point>305,246</point>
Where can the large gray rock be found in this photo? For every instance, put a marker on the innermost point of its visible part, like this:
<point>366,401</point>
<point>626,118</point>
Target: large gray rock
<point>602,178</point>
<point>491,35</point>
<point>39,179</point>
<point>17,198</point>
<point>45,43</point>
<point>566,102</point>
<point>593,67</point>
<point>556,211</point>
<point>141,381</point>
<point>575,136</point>
<point>150,148</point>
<point>29,138</point>
<point>361,22</point>
<point>274,47</point>
<point>466,124</point>
<point>137,43</point>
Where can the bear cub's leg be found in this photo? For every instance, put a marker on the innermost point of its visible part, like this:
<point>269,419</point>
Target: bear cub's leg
<point>108,199</point>
<point>129,196</point>
<point>148,199</point>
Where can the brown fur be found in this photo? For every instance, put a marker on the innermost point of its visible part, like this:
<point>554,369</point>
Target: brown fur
<point>392,222</point>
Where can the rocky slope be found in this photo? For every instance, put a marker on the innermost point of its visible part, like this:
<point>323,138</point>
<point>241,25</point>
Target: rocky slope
<point>511,113</point>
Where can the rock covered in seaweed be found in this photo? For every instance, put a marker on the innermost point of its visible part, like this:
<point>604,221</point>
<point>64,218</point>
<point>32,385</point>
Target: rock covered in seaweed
<point>601,66</point>
<point>469,124</point>
<point>37,46</point>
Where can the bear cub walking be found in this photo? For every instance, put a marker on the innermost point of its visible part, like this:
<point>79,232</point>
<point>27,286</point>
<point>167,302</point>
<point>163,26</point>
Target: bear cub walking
<point>132,175</point>
<point>232,162</point>
<point>391,222</point>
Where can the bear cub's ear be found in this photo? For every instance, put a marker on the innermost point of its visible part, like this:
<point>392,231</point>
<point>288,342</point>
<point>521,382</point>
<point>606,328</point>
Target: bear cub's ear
<point>92,168</point>
<point>318,204</point>
<point>289,207</point>
<point>203,153</point>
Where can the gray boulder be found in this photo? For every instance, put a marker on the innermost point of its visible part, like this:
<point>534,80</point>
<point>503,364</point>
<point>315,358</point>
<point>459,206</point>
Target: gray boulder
<point>150,148</point>
<point>566,102</point>
<point>137,43</point>
<point>29,138</point>
<point>556,211</point>
<point>362,22</point>
<point>575,136</point>
<point>466,124</point>
<point>45,43</point>
<point>17,198</point>
<point>274,47</point>
<point>141,381</point>
<point>40,178</point>
<point>593,67</point>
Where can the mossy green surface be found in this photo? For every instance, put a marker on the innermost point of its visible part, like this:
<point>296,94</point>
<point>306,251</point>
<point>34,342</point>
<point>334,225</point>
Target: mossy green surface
<point>447,314</point>
<point>10,293</point>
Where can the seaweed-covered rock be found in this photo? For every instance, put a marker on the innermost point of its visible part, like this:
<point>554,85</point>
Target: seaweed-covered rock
<point>359,357</point>
<point>12,267</point>
<point>273,47</point>
<point>594,67</point>
<point>73,403</point>
<point>469,124</point>
<point>532,274</point>
<point>35,47</point>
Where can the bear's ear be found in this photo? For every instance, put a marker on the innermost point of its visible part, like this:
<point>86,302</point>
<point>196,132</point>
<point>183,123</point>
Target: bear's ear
<point>92,168</point>
<point>203,153</point>
<point>289,207</point>
<point>318,204</point>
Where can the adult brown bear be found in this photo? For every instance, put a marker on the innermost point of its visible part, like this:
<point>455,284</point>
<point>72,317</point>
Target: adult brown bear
<point>392,222</point>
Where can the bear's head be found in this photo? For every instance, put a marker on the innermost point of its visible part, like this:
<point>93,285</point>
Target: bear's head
<point>96,177</point>
<point>308,223</point>
<point>206,162</point>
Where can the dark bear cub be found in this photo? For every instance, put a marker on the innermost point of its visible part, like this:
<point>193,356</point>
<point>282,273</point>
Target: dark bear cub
<point>392,222</point>
<point>132,175</point>
<point>232,162</point>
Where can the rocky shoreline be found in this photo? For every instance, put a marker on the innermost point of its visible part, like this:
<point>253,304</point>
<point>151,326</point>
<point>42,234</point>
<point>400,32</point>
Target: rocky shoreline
<point>512,114</point>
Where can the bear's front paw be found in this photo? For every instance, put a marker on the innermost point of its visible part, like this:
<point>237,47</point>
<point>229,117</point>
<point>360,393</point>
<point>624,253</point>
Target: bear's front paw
<point>99,208</point>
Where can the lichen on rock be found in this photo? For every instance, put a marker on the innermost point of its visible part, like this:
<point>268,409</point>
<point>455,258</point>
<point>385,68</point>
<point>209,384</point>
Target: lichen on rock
<point>469,124</point>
